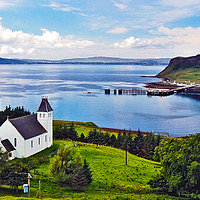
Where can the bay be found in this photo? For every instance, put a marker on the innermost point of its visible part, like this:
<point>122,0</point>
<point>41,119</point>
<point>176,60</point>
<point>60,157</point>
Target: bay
<point>66,87</point>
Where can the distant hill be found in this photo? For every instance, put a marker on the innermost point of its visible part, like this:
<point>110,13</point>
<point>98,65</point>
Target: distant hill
<point>182,69</point>
<point>90,60</point>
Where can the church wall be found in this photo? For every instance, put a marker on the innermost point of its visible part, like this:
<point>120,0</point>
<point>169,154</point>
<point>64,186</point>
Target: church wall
<point>36,144</point>
<point>8,131</point>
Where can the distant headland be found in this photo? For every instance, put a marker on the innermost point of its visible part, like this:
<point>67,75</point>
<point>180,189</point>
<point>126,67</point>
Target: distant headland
<point>91,60</point>
<point>182,69</point>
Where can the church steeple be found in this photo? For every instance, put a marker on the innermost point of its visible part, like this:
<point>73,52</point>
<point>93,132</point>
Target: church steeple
<point>45,117</point>
<point>44,105</point>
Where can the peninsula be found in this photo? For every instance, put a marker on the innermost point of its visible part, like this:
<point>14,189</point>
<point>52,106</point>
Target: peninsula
<point>182,69</point>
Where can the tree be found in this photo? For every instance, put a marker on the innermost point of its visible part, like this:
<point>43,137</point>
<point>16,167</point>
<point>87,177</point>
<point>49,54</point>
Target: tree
<point>82,175</point>
<point>139,145</point>
<point>4,156</point>
<point>87,171</point>
<point>113,140</point>
<point>180,159</point>
<point>72,132</point>
<point>14,175</point>
<point>62,165</point>
<point>70,172</point>
<point>78,161</point>
<point>119,142</point>
<point>79,181</point>
<point>82,138</point>
<point>12,113</point>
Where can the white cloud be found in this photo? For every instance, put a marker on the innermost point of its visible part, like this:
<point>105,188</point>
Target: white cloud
<point>63,7</point>
<point>121,6</point>
<point>176,41</point>
<point>118,30</point>
<point>5,49</point>
<point>18,43</point>
<point>127,43</point>
<point>180,4</point>
<point>188,31</point>
<point>164,42</point>
<point>9,3</point>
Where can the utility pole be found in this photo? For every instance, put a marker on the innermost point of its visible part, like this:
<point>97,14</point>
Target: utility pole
<point>39,189</point>
<point>126,153</point>
<point>29,184</point>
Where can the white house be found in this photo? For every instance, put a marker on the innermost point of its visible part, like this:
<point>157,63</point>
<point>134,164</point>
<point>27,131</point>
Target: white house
<point>30,134</point>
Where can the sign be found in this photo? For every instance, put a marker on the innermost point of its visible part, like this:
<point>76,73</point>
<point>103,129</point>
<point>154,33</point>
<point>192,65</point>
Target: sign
<point>25,186</point>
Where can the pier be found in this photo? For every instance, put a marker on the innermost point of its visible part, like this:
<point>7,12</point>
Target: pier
<point>150,92</point>
<point>162,92</point>
<point>127,92</point>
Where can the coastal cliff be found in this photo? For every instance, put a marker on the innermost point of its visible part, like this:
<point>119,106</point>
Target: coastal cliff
<point>182,69</point>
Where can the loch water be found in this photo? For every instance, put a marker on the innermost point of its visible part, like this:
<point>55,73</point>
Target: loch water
<point>66,87</point>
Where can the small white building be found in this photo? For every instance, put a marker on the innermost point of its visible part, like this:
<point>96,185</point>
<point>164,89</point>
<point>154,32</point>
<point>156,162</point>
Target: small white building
<point>30,134</point>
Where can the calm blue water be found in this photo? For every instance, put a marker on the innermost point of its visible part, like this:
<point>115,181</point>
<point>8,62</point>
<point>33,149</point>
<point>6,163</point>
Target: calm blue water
<point>66,87</point>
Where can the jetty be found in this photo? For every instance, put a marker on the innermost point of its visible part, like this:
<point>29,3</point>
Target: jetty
<point>150,92</point>
<point>162,92</point>
<point>127,92</point>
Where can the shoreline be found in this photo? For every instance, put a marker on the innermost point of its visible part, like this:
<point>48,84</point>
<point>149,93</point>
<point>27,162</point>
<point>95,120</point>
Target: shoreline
<point>159,85</point>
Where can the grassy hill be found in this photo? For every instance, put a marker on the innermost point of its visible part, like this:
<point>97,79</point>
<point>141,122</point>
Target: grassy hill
<point>182,69</point>
<point>112,179</point>
<point>80,127</point>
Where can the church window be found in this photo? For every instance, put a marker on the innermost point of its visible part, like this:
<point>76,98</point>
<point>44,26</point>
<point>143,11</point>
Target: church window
<point>15,142</point>
<point>43,115</point>
<point>40,115</point>
<point>45,138</point>
<point>39,141</point>
<point>31,143</point>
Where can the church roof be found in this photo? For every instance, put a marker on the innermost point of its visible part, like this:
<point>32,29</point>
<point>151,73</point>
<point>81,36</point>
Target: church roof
<point>7,144</point>
<point>28,126</point>
<point>44,106</point>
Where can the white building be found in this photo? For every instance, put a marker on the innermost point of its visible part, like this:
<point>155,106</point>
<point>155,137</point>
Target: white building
<point>30,134</point>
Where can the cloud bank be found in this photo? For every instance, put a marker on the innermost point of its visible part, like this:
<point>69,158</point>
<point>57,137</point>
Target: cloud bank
<point>164,42</point>
<point>18,43</point>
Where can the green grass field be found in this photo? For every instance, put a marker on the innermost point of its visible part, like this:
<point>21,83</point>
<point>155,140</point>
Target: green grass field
<point>80,127</point>
<point>183,75</point>
<point>112,179</point>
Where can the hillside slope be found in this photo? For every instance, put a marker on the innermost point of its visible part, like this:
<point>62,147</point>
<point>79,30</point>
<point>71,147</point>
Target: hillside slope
<point>182,69</point>
<point>112,179</point>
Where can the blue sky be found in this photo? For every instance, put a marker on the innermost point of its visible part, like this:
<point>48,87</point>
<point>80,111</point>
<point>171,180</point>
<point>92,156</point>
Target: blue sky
<point>56,29</point>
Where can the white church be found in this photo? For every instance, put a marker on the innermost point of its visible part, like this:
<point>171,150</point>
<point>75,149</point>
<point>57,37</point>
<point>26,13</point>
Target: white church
<point>30,134</point>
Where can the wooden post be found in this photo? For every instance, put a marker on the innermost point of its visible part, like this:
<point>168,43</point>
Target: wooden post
<point>39,189</point>
<point>126,154</point>
<point>29,184</point>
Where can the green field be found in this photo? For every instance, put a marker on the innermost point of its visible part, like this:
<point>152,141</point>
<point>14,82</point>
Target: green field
<point>112,179</point>
<point>80,127</point>
<point>192,75</point>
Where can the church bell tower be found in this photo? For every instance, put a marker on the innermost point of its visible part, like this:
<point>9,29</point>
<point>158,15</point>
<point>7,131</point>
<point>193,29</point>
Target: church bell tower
<point>45,117</point>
